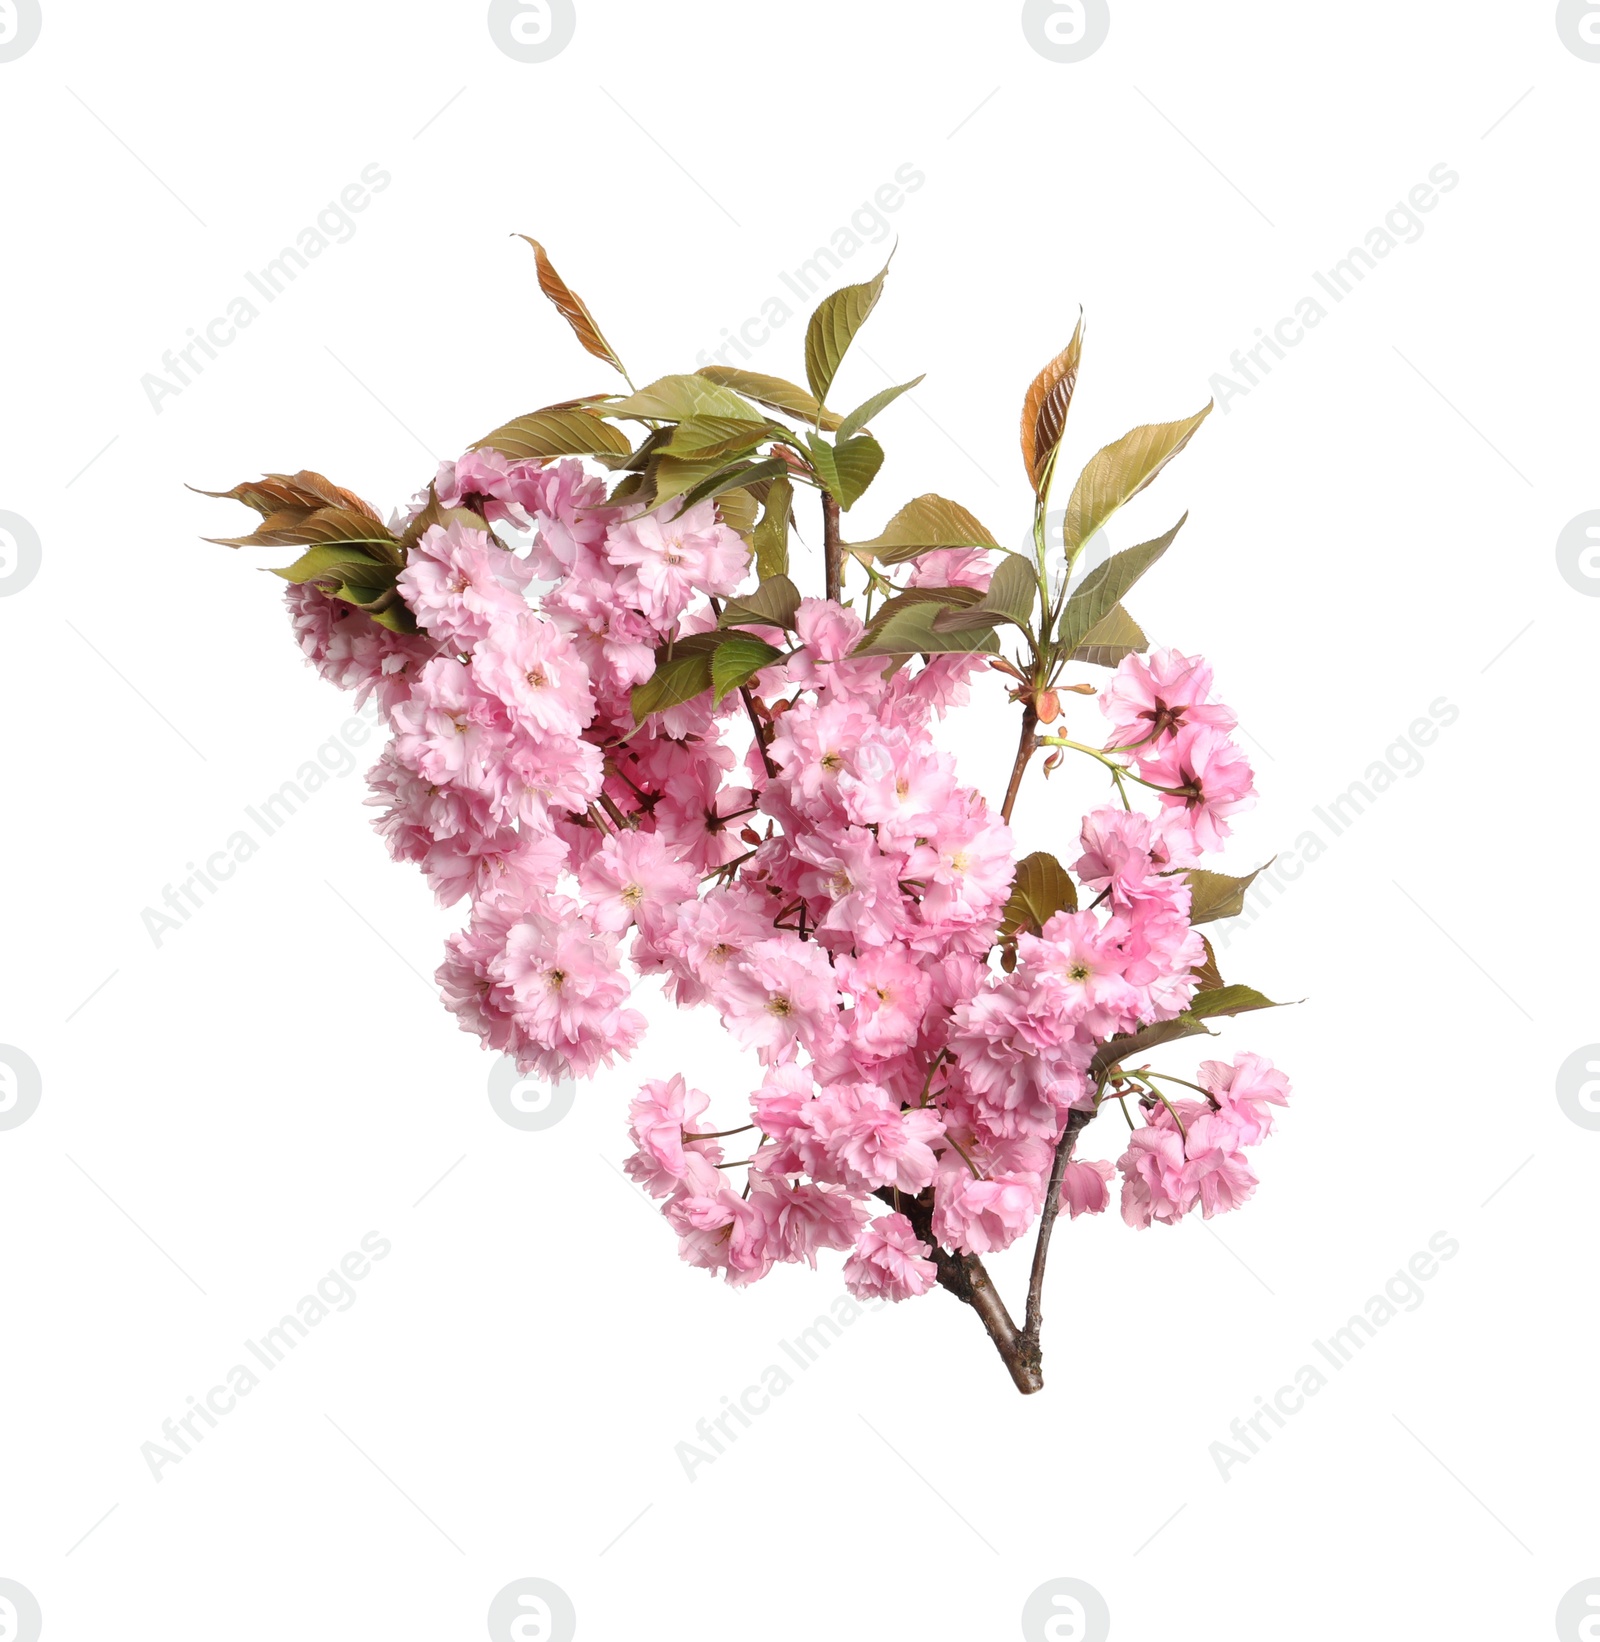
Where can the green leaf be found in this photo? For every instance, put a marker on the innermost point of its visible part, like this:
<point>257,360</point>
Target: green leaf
<point>846,469</point>
<point>433,514</point>
<point>774,603</point>
<point>1228,1000</point>
<point>862,414</point>
<point>572,307</point>
<point>363,594</point>
<point>733,478</point>
<point>672,476</point>
<point>1134,1044</point>
<point>1118,473</point>
<point>1113,637</point>
<point>546,434</point>
<point>737,508</point>
<point>1039,891</point>
<point>1103,588</point>
<point>338,562</point>
<point>910,631</point>
<point>683,671</point>
<point>1044,410</point>
<point>684,399</point>
<point>833,327</point>
<point>1214,895</point>
<point>1011,596</point>
<point>1204,1006</point>
<point>737,660</point>
<point>773,392</point>
<point>945,597</point>
<point>397,618</point>
<point>1207,977</point>
<point>706,436</point>
<point>772,534</point>
<point>922,526</point>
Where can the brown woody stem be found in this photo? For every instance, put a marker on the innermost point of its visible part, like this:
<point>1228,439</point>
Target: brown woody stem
<point>833,551</point>
<point>1026,748</point>
<point>965,1277</point>
<point>1033,1318</point>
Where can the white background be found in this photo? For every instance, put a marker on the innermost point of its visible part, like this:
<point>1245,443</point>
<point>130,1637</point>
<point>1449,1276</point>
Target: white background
<point>225,1115</point>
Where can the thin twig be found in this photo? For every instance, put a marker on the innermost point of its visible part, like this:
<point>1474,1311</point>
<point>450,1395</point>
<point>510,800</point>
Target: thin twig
<point>755,725</point>
<point>1026,747</point>
<point>1033,1318</point>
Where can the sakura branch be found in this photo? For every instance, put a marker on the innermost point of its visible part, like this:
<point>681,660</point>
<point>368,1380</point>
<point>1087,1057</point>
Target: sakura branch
<point>675,765</point>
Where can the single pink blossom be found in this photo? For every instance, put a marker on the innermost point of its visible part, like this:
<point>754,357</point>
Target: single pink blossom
<point>1247,1089</point>
<point>529,665</point>
<point>632,879</point>
<point>890,1262</point>
<point>1085,1186</point>
<point>660,1121</point>
<point>861,1137</point>
<point>1151,698</point>
<point>1213,779</point>
<point>456,582</point>
<point>782,997</point>
<point>890,994</point>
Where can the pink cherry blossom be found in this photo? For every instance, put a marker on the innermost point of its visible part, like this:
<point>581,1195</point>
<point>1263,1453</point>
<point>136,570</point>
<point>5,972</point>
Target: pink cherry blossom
<point>799,858</point>
<point>1085,1186</point>
<point>457,582</point>
<point>1152,698</point>
<point>494,481</point>
<point>979,1216</point>
<point>1088,970</point>
<point>1247,1090</point>
<point>1215,782</point>
<point>660,1121</point>
<point>890,1262</point>
<point>633,878</point>
<point>799,1218</point>
<point>349,649</point>
<point>782,998</point>
<point>673,558</point>
<point>568,991</point>
<point>890,994</point>
<point>863,1138</point>
<point>528,664</point>
<point>720,1233</point>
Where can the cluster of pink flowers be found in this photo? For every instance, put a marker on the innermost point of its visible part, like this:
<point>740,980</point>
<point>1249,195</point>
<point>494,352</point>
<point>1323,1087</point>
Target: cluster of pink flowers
<point>831,890</point>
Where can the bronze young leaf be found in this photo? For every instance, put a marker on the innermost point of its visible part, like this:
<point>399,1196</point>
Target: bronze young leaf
<point>572,308</point>
<point>1044,409</point>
